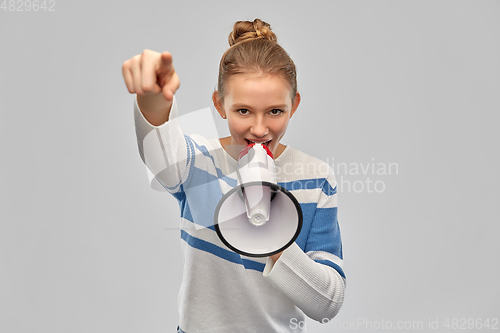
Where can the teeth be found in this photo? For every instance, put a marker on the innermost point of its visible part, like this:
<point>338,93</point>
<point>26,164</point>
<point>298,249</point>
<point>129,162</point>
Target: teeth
<point>265,142</point>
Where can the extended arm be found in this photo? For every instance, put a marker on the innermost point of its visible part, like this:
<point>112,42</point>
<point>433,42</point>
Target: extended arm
<point>152,77</point>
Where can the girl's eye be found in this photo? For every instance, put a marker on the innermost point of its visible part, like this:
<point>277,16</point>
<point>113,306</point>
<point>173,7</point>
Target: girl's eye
<point>276,112</point>
<point>243,111</point>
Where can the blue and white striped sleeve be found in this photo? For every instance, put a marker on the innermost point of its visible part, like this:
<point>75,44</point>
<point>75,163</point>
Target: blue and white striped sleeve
<point>313,279</point>
<point>324,242</point>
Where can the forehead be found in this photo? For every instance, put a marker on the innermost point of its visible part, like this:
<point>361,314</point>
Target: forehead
<point>257,90</point>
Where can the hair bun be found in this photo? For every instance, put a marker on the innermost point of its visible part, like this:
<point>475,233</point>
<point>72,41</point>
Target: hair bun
<point>248,30</point>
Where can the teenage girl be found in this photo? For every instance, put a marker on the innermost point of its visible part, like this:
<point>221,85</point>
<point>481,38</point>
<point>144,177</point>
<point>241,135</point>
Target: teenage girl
<point>221,290</point>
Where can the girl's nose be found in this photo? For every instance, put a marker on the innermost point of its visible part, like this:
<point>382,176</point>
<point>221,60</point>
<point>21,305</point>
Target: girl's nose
<point>259,129</point>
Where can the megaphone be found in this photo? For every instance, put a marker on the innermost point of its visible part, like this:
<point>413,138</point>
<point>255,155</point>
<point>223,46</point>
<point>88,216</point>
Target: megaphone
<point>258,217</point>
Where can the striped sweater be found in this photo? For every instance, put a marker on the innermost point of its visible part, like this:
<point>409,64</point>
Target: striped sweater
<point>221,290</point>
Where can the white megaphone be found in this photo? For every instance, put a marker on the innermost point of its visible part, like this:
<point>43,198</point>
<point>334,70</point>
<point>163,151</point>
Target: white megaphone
<point>257,218</point>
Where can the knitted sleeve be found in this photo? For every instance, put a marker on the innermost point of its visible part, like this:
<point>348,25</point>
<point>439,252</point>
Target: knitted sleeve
<point>180,164</point>
<point>165,151</point>
<point>313,278</point>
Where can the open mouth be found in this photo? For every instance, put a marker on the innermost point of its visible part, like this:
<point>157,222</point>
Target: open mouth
<point>265,143</point>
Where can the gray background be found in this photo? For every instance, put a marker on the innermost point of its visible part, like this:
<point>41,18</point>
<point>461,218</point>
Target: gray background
<point>85,244</point>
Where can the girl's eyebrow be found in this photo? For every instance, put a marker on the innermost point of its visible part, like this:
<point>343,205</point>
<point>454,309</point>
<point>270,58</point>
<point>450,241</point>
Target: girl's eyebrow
<point>240,106</point>
<point>280,106</point>
<point>244,106</point>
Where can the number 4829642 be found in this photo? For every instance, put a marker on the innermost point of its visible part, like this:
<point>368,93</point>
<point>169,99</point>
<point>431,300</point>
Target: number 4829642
<point>28,5</point>
<point>471,323</point>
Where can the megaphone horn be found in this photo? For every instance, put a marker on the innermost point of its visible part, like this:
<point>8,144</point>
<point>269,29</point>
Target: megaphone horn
<point>257,218</point>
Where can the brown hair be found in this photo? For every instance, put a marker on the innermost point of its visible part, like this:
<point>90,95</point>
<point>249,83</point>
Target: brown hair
<point>254,48</point>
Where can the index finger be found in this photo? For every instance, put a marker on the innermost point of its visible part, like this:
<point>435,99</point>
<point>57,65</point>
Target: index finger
<point>165,69</point>
<point>165,61</point>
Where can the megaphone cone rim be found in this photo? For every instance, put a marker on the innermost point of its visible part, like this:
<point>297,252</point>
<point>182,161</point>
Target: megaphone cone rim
<point>275,187</point>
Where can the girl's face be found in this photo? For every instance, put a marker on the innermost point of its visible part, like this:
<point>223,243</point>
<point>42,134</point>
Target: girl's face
<point>257,108</point>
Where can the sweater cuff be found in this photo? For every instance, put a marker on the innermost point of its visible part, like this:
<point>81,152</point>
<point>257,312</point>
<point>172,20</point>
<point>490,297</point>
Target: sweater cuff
<point>317,289</point>
<point>152,141</point>
<point>144,124</point>
<point>291,257</point>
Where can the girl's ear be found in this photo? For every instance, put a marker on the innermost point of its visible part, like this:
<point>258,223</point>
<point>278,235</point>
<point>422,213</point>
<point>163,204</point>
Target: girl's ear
<point>295,104</point>
<point>218,104</point>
